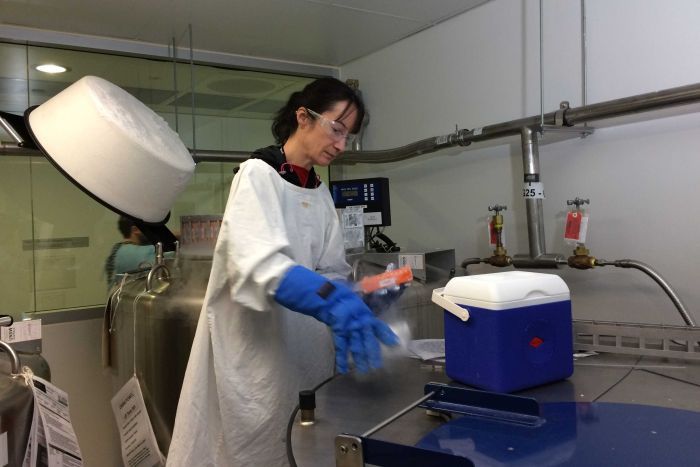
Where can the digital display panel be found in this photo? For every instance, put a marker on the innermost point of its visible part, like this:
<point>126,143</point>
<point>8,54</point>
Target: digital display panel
<point>370,193</point>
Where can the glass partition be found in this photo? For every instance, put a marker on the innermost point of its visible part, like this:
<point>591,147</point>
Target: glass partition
<point>55,238</point>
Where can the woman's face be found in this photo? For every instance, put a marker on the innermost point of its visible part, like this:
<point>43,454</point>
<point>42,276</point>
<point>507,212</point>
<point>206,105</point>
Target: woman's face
<point>324,135</point>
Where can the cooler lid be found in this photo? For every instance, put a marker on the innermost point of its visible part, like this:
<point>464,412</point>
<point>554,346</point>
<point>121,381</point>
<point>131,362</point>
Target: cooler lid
<point>509,289</point>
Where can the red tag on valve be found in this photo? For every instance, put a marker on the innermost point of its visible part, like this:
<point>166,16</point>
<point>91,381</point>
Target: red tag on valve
<point>572,231</point>
<point>492,234</point>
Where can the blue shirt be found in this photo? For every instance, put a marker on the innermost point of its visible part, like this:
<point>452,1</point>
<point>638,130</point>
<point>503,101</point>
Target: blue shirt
<point>128,257</point>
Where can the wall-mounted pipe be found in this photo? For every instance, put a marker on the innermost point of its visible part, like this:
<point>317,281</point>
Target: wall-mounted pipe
<point>204,155</point>
<point>5,124</point>
<point>646,269</point>
<point>424,146</point>
<point>531,169</point>
<point>682,95</point>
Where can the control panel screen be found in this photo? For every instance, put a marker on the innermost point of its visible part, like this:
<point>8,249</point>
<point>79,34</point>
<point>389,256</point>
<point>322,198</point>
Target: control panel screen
<point>370,193</point>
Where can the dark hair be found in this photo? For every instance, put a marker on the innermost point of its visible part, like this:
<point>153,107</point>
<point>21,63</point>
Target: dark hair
<point>125,224</point>
<point>319,95</point>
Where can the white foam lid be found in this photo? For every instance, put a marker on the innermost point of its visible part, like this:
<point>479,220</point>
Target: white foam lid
<point>505,290</point>
<point>114,147</point>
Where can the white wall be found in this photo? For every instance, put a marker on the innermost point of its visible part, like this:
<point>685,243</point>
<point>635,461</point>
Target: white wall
<point>482,68</point>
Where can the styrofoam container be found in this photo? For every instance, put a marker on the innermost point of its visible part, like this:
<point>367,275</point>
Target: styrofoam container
<point>507,331</point>
<point>113,147</point>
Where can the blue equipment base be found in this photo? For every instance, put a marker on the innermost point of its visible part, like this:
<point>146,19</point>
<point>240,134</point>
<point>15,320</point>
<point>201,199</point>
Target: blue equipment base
<point>576,434</point>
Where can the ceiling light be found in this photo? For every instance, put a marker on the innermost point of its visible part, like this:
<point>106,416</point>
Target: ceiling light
<point>51,68</point>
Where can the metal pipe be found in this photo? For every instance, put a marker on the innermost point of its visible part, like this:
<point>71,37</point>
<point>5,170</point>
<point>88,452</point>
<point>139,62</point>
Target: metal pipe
<point>464,264</point>
<point>8,150</point>
<point>544,261</point>
<point>204,155</point>
<point>152,275</point>
<point>584,55</point>
<point>11,131</point>
<point>531,167</point>
<point>397,415</point>
<point>461,138</point>
<point>646,269</point>
<point>681,95</point>
<point>201,155</point>
<point>469,261</point>
<point>357,143</point>
<point>423,146</point>
<point>635,104</point>
<point>15,367</point>
<point>541,62</point>
<point>194,94</point>
<point>177,118</point>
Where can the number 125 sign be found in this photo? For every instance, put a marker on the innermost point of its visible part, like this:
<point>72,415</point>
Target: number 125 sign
<point>533,190</point>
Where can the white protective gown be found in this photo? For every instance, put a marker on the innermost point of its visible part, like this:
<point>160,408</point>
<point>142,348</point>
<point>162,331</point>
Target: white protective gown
<point>251,356</point>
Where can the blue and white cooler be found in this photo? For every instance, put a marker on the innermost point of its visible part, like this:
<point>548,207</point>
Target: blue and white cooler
<point>507,331</point>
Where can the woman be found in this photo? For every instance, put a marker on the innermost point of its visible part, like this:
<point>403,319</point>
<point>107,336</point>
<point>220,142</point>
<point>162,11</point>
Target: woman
<point>275,290</point>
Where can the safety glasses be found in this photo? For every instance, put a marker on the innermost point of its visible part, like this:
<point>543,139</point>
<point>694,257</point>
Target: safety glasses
<point>336,130</point>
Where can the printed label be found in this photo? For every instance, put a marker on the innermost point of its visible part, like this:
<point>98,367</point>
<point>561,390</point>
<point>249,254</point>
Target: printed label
<point>533,190</point>
<point>139,446</point>
<point>413,261</point>
<point>21,331</point>
<point>51,434</point>
<point>373,218</point>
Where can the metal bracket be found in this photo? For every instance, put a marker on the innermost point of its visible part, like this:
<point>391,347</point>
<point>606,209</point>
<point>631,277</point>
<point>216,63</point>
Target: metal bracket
<point>475,403</point>
<point>559,117</point>
<point>356,451</point>
<point>638,339</point>
<point>348,451</point>
<point>579,130</point>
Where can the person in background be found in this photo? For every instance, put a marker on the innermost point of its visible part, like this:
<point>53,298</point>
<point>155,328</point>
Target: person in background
<point>129,254</point>
<point>277,305</point>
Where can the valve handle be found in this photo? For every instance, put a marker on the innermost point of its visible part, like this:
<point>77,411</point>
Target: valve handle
<point>578,202</point>
<point>498,208</point>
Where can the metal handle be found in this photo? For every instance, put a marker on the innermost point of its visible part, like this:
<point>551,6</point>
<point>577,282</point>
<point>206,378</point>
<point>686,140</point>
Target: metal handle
<point>14,359</point>
<point>6,320</point>
<point>152,274</point>
<point>578,202</point>
<point>439,299</point>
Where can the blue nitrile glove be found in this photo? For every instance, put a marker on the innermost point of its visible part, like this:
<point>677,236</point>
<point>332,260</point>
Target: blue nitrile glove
<point>382,299</point>
<point>354,327</point>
